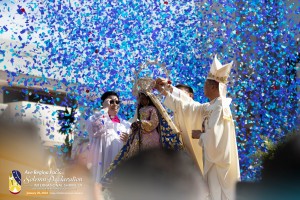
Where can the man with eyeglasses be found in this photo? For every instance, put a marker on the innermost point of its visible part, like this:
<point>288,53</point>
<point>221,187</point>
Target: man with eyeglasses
<point>107,134</point>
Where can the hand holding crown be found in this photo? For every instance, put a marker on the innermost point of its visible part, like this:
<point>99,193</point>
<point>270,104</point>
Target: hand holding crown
<point>163,85</point>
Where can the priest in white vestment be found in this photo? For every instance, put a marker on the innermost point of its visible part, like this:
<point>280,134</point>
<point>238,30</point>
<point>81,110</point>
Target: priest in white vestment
<point>214,124</point>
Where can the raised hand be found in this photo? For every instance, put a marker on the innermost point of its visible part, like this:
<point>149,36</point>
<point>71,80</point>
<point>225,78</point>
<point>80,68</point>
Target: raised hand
<point>161,81</point>
<point>162,85</point>
<point>159,87</point>
<point>106,103</point>
<point>136,125</point>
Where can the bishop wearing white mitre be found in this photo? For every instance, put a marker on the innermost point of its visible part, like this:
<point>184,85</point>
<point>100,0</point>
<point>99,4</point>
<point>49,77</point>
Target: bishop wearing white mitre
<point>212,123</point>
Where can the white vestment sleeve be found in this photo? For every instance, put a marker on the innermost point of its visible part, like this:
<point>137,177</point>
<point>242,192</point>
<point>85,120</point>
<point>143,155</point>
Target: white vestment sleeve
<point>177,93</point>
<point>189,111</point>
<point>188,116</point>
<point>181,95</point>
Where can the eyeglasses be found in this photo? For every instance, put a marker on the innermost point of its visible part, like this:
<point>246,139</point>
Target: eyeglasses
<point>114,101</point>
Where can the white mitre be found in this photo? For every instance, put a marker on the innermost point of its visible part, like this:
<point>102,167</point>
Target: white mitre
<point>220,73</point>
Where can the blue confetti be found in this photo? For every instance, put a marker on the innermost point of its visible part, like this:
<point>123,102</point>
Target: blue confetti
<point>94,50</point>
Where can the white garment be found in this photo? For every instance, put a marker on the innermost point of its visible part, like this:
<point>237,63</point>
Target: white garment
<point>218,142</point>
<point>104,141</point>
<point>190,144</point>
<point>183,124</point>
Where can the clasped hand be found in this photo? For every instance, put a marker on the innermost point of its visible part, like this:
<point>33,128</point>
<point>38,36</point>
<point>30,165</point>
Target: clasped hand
<point>136,125</point>
<point>124,137</point>
<point>196,134</point>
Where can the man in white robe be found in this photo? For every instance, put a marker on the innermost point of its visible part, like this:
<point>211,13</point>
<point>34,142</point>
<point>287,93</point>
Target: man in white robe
<point>190,144</point>
<point>107,134</point>
<point>218,139</point>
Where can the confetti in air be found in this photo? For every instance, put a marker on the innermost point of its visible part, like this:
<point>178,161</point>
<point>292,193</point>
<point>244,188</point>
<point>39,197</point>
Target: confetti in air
<point>94,46</point>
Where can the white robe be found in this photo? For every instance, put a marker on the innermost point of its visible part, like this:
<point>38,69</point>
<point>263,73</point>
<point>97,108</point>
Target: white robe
<point>183,124</point>
<point>221,164</point>
<point>104,142</point>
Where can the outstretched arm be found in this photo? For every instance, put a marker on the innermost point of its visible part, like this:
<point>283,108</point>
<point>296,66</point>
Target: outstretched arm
<point>186,109</point>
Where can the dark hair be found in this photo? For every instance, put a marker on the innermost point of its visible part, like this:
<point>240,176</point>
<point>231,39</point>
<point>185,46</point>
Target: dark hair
<point>107,94</point>
<point>186,87</point>
<point>157,174</point>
